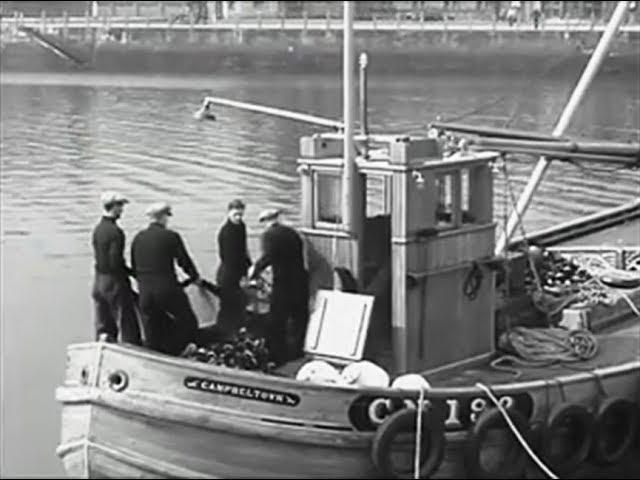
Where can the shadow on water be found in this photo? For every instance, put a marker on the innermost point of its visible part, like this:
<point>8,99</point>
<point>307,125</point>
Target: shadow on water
<point>64,138</point>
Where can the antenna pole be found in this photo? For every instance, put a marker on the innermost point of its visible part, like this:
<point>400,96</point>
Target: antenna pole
<point>589,73</point>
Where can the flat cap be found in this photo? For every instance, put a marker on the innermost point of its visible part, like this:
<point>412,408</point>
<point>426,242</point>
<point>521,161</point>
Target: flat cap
<point>157,209</point>
<point>111,198</point>
<point>268,214</point>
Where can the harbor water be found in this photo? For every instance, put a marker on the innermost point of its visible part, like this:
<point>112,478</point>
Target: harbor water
<point>65,137</point>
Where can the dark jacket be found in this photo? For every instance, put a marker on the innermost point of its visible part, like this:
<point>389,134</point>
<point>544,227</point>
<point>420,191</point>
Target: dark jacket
<point>232,248</point>
<point>282,248</point>
<point>108,248</point>
<point>154,252</point>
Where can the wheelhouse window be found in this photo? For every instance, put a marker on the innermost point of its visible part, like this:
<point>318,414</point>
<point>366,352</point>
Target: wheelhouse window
<point>327,201</point>
<point>453,208</point>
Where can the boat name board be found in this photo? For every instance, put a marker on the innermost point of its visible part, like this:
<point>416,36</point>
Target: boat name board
<point>369,412</point>
<point>247,392</point>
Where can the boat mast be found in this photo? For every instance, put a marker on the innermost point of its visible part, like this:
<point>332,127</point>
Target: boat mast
<point>589,73</point>
<point>349,170</point>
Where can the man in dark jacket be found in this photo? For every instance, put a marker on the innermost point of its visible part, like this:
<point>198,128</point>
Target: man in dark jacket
<point>168,320</point>
<point>114,305</point>
<point>282,248</point>
<point>234,262</point>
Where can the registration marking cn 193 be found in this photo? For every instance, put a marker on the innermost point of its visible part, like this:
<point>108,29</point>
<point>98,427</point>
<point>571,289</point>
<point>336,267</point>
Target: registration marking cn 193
<point>367,413</point>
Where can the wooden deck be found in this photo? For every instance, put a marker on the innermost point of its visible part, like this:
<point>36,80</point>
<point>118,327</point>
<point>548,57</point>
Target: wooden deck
<point>614,348</point>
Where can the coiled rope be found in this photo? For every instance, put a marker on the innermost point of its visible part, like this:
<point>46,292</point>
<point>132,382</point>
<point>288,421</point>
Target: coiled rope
<point>539,347</point>
<point>516,433</point>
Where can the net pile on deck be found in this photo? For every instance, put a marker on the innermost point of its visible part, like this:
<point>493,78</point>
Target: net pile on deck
<point>242,351</point>
<point>555,282</point>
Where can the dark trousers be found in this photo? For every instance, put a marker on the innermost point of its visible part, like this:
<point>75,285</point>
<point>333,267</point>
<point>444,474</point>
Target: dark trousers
<point>536,19</point>
<point>114,308</point>
<point>168,321</point>
<point>289,315</point>
<point>233,301</point>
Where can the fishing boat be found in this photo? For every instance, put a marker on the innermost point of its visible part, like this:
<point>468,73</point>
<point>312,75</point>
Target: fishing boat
<point>432,293</point>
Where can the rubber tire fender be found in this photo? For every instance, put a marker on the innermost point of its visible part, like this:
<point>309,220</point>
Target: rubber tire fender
<point>559,414</point>
<point>404,421</point>
<point>488,420</point>
<point>600,454</point>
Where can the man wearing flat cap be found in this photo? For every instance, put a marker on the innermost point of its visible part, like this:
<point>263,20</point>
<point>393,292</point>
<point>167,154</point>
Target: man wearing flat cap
<point>168,321</point>
<point>282,249</point>
<point>114,305</point>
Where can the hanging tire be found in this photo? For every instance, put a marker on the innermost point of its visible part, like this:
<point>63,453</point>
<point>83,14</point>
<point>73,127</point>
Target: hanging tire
<point>515,459</point>
<point>571,427</point>
<point>616,427</point>
<point>403,422</point>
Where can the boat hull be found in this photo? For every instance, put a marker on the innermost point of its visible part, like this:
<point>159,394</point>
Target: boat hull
<point>179,418</point>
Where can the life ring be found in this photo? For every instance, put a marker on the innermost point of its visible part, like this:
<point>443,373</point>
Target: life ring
<point>616,426</point>
<point>402,422</point>
<point>567,437</point>
<point>515,460</point>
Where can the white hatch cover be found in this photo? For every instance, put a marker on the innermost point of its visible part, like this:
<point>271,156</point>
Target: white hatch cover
<point>338,325</point>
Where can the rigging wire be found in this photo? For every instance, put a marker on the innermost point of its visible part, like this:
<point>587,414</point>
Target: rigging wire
<point>515,431</point>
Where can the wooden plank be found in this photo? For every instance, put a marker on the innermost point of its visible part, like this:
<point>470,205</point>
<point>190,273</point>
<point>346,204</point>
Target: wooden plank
<point>306,206</point>
<point>456,199</point>
<point>399,313</point>
<point>450,248</point>
<point>219,452</point>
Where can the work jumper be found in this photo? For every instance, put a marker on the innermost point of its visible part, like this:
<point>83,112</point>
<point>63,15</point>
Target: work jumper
<point>283,249</point>
<point>168,320</point>
<point>112,296</point>
<point>234,262</point>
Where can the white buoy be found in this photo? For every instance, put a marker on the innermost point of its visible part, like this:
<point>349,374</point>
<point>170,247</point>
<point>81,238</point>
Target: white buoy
<point>411,381</point>
<point>365,374</point>
<point>318,371</point>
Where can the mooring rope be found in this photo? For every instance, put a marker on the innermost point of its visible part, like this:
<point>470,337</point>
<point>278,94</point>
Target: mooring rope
<point>516,433</point>
<point>416,459</point>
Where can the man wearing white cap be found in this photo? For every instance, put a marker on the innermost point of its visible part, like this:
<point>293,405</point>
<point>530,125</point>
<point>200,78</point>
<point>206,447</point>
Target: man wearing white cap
<point>282,248</point>
<point>114,307</point>
<point>168,320</point>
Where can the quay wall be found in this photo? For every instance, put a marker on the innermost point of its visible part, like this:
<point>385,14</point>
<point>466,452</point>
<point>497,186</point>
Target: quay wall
<point>208,51</point>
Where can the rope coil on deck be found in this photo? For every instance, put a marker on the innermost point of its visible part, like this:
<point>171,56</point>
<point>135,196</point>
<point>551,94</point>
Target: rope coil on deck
<point>538,347</point>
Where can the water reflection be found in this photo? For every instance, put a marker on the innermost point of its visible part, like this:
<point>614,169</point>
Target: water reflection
<point>65,138</point>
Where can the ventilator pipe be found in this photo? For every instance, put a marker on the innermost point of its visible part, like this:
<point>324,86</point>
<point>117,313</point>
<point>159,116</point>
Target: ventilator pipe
<point>599,54</point>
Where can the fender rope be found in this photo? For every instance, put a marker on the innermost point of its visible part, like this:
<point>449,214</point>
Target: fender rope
<point>416,458</point>
<point>516,433</point>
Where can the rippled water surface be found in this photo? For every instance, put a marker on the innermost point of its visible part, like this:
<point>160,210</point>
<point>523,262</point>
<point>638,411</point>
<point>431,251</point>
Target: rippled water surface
<point>65,138</point>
